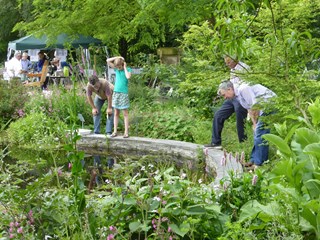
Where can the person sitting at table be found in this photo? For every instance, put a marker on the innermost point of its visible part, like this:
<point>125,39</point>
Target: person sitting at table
<point>26,66</point>
<point>60,69</point>
<point>38,67</point>
<point>14,65</point>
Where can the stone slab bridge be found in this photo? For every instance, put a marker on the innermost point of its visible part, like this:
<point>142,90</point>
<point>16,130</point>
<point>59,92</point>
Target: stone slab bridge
<point>218,162</point>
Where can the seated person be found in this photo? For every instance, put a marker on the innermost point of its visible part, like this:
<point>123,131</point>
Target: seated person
<point>60,69</point>
<point>14,66</point>
<point>38,67</point>
<point>26,66</point>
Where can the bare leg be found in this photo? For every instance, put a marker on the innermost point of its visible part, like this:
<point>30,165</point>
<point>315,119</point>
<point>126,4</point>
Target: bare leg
<point>116,120</point>
<point>126,121</point>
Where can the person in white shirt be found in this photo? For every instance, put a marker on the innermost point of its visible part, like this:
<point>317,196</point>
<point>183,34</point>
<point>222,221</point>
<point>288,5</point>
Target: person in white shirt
<point>252,99</point>
<point>230,106</point>
<point>14,65</point>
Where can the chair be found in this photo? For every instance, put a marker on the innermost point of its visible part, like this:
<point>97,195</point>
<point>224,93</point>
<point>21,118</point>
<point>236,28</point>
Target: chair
<point>42,76</point>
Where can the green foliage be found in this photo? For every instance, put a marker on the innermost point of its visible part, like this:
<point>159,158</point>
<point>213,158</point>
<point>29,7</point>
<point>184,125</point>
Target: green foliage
<point>274,220</point>
<point>154,200</point>
<point>295,177</point>
<point>134,25</point>
<point>278,39</point>
<point>163,121</point>
<point>198,92</point>
<point>61,104</point>
<point>194,44</point>
<point>36,129</point>
<point>314,111</point>
<point>238,190</point>
<point>13,97</point>
<point>137,199</point>
<point>159,75</point>
<point>10,8</point>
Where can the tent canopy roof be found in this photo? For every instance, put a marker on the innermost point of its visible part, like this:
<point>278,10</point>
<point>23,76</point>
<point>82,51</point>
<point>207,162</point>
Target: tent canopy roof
<point>32,42</point>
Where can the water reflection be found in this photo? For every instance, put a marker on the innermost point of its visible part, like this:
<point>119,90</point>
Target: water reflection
<point>101,164</point>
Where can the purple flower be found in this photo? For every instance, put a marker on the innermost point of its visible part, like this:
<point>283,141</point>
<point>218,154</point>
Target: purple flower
<point>11,236</point>
<point>110,237</point>
<point>205,151</point>
<point>224,153</point>
<point>223,161</point>
<point>242,157</point>
<point>169,229</point>
<point>21,113</point>
<point>112,228</point>
<point>164,219</point>
<point>254,180</point>
<point>70,165</point>
<point>16,224</point>
<point>170,238</point>
<point>12,224</point>
<point>20,230</point>
<point>237,156</point>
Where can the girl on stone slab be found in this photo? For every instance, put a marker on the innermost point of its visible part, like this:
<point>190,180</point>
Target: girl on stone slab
<point>120,97</point>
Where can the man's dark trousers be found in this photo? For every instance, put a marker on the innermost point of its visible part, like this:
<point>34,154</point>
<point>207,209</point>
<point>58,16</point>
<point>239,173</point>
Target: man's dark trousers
<point>229,107</point>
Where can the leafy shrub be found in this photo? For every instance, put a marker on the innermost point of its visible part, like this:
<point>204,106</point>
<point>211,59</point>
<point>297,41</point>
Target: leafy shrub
<point>199,92</point>
<point>238,190</point>
<point>13,96</point>
<point>62,104</point>
<point>159,75</point>
<point>157,202</point>
<point>163,121</point>
<point>139,92</point>
<point>37,129</point>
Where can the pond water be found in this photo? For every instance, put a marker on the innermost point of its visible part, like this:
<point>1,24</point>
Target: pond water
<point>98,168</point>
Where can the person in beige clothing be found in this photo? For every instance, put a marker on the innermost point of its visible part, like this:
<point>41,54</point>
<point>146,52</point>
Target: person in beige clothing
<point>103,90</point>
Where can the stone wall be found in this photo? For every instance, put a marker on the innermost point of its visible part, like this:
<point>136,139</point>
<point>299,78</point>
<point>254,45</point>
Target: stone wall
<point>218,163</point>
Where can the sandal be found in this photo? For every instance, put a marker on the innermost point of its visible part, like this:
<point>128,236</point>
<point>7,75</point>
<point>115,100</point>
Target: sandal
<point>251,168</point>
<point>114,135</point>
<point>246,164</point>
<point>126,136</point>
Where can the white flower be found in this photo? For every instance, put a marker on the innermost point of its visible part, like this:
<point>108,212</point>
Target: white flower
<point>183,175</point>
<point>200,180</point>
<point>107,181</point>
<point>165,193</point>
<point>170,182</point>
<point>137,175</point>
<point>156,198</point>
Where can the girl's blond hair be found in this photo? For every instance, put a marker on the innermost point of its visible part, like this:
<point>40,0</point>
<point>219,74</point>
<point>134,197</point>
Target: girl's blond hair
<point>118,62</point>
